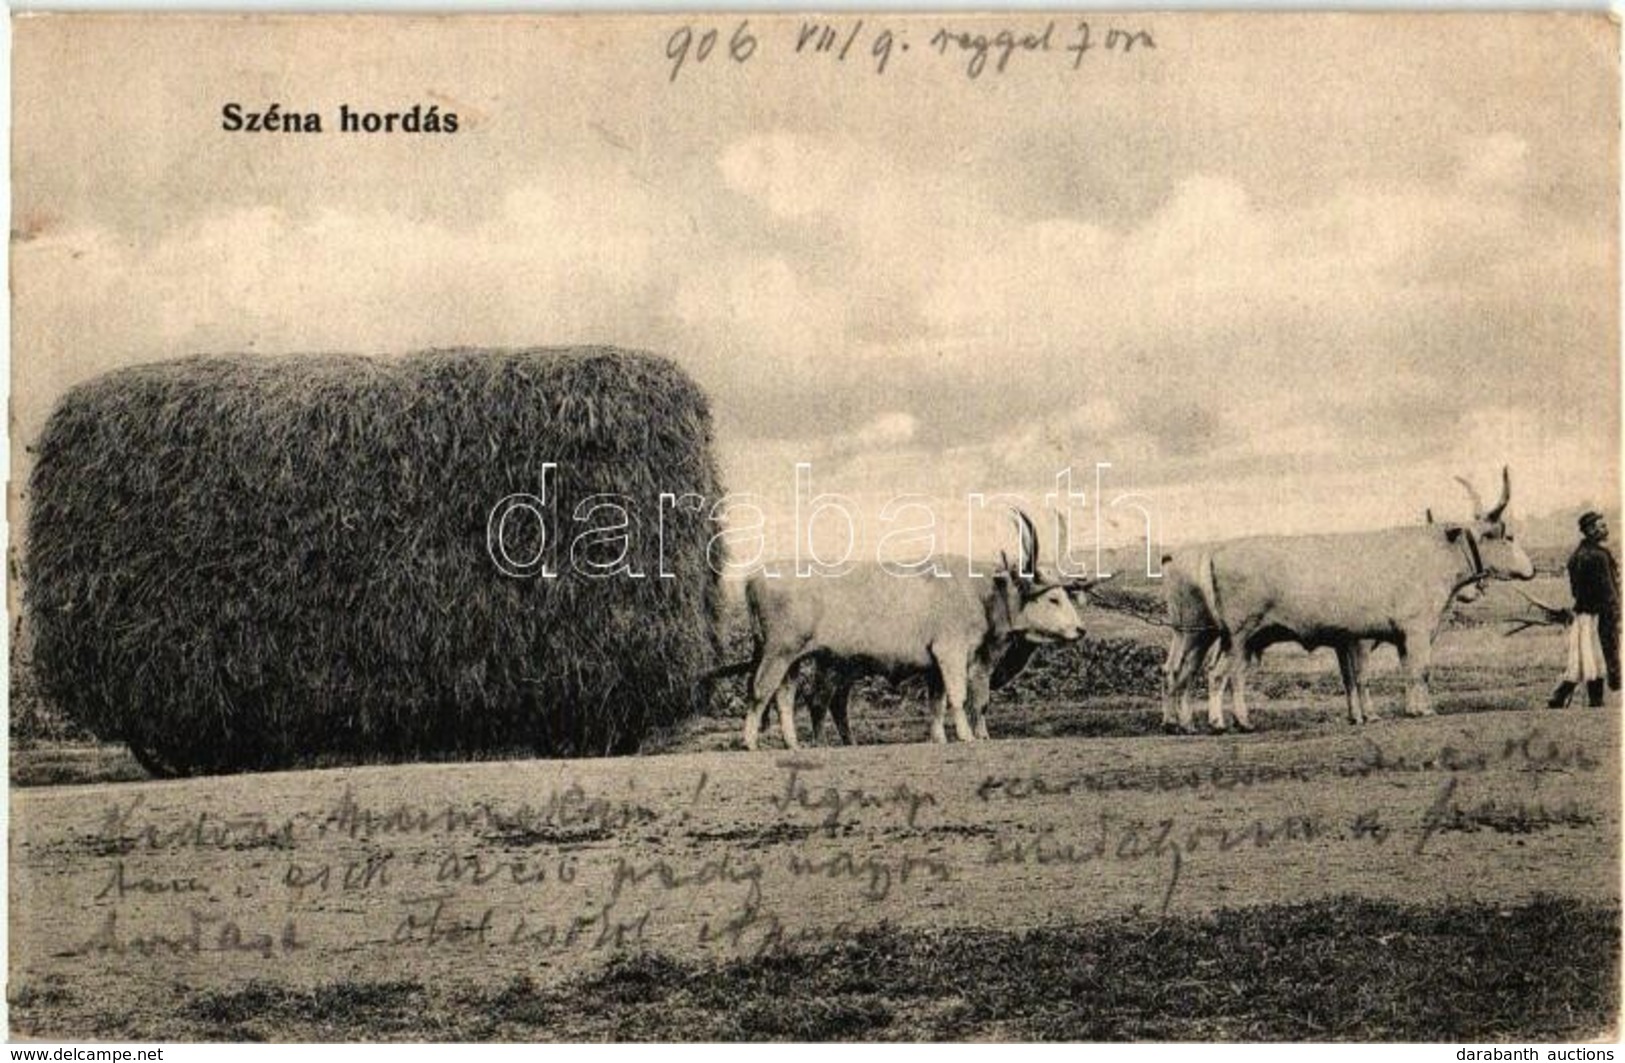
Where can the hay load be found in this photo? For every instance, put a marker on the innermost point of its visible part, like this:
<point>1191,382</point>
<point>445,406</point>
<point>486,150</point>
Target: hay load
<point>247,562</point>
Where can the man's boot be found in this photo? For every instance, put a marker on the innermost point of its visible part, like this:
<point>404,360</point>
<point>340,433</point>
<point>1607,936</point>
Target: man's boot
<point>1560,696</point>
<point>1594,693</point>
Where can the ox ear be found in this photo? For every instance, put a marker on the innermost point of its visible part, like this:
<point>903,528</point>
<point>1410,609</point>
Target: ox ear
<point>1453,533</point>
<point>1493,516</point>
<point>1009,585</point>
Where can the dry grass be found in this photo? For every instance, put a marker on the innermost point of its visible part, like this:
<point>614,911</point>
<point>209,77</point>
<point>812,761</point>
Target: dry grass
<point>1339,969</point>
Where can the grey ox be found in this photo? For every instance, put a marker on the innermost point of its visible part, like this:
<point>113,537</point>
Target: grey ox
<point>953,628</point>
<point>1346,591</point>
<point>829,687</point>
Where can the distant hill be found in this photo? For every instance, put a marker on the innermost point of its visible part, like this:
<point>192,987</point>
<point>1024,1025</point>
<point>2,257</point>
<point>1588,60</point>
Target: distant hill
<point>1558,529</point>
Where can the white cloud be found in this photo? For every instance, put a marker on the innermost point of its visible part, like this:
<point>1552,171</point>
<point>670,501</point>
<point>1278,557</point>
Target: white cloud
<point>888,430</point>
<point>1498,160</point>
<point>791,176</point>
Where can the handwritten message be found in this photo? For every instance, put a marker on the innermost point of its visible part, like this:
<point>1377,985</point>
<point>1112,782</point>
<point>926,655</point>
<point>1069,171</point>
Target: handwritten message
<point>875,46</point>
<point>432,868</point>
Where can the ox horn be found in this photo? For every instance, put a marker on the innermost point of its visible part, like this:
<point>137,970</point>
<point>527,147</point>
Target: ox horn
<point>1063,544</point>
<point>1428,514</point>
<point>1472,492</point>
<point>1506,496</point>
<point>1028,560</point>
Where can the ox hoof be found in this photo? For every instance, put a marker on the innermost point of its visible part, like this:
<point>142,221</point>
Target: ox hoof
<point>1245,728</point>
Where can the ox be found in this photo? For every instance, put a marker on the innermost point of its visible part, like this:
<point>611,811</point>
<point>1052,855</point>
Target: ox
<point>1352,656</point>
<point>829,689</point>
<point>954,628</point>
<point>1200,634</point>
<point>1346,591</point>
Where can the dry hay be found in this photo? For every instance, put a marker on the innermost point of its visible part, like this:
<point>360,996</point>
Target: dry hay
<point>246,562</point>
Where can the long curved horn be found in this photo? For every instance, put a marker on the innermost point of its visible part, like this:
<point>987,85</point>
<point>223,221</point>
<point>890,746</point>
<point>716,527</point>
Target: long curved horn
<point>1028,561</point>
<point>1063,542</point>
<point>1428,514</point>
<point>1506,496</point>
<point>1472,492</point>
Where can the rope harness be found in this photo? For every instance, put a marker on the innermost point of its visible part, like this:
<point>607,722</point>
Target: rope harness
<point>1475,561</point>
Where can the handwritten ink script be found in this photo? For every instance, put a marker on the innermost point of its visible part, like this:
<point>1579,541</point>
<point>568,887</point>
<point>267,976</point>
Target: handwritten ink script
<point>426,867</point>
<point>874,46</point>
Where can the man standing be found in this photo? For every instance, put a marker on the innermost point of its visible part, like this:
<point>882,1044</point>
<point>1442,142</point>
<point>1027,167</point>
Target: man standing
<point>1594,581</point>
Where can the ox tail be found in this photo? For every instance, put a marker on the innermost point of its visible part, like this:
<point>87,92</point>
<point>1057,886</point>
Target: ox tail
<point>705,686</point>
<point>1208,588</point>
<point>728,670</point>
<point>753,607</point>
<point>708,680</point>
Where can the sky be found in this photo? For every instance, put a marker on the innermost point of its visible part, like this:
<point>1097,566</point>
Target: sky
<point>1282,273</point>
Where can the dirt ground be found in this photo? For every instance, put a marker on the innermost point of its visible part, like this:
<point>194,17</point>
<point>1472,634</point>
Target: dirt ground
<point>126,897</point>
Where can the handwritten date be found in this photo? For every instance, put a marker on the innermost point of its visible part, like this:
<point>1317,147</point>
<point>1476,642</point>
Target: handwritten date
<point>879,47</point>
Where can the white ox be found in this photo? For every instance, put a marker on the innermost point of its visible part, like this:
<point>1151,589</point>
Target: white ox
<point>1200,633</point>
<point>1346,591</point>
<point>953,628</point>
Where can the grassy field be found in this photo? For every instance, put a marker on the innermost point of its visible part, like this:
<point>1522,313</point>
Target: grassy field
<point>1470,972</point>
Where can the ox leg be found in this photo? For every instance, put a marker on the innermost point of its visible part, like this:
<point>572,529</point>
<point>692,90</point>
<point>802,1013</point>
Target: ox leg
<point>1352,659</point>
<point>1185,656</point>
<point>953,667</point>
<point>786,697</point>
<point>1361,656</point>
<point>1239,709</point>
<point>980,694</point>
<point>815,712</point>
<point>1351,683</point>
<point>934,691</point>
<point>1170,668</point>
<point>819,692</point>
<point>1240,663</point>
<point>1418,655</point>
<point>832,694</point>
<point>1218,677</point>
<point>770,675</point>
<point>838,706</point>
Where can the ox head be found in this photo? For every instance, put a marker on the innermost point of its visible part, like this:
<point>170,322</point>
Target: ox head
<point>1040,608</point>
<point>1486,542</point>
